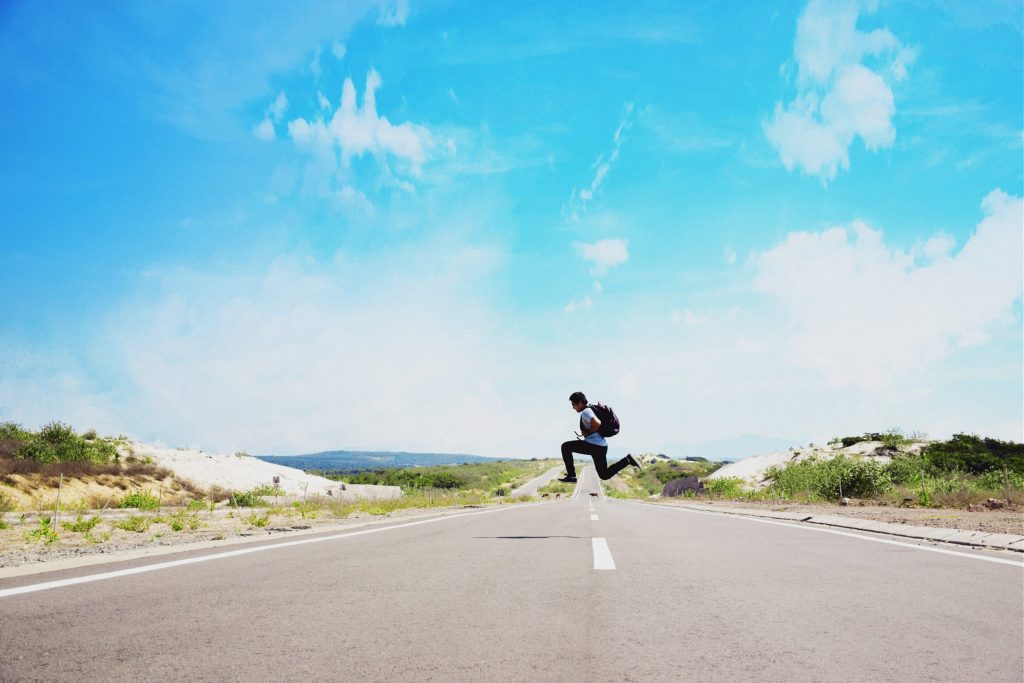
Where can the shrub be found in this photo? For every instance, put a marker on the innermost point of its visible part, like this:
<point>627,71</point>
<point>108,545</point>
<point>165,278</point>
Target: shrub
<point>143,500</point>
<point>831,479</point>
<point>308,510</point>
<point>6,503</point>
<point>182,519</point>
<point>257,520</point>
<point>245,499</point>
<point>44,533</point>
<point>81,525</point>
<point>969,453</point>
<point>997,480</point>
<point>905,469</point>
<point>725,487</point>
<point>267,490</point>
<point>136,523</point>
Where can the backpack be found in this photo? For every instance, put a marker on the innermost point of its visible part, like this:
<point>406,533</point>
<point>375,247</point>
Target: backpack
<point>609,420</point>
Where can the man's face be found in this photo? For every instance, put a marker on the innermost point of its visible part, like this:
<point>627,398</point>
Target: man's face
<point>578,406</point>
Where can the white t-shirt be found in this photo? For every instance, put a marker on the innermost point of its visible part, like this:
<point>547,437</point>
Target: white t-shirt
<point>587,415</point>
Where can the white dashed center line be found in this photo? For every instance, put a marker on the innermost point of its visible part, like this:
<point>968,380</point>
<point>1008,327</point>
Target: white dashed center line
<point>593,518</point>
<point>602,555</point>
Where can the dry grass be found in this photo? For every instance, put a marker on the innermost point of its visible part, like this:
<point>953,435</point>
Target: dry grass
<point>28,485</point>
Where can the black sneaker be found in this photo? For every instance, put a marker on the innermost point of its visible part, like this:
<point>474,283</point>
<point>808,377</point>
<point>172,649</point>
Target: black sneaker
<point>567,480</point>
<point>632,461</point>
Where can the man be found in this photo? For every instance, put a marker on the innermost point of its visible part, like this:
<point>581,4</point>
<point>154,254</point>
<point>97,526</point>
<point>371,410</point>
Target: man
<point>593,444</point>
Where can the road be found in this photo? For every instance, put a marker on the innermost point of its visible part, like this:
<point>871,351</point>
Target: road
<point>530,487</point>
<point>513,594</point>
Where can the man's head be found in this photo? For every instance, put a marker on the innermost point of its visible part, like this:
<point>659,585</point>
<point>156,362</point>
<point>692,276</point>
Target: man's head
<point>578,401</point>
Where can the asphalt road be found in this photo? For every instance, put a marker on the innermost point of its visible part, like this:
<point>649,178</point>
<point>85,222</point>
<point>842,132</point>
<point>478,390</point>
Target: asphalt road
<point>513,594</point>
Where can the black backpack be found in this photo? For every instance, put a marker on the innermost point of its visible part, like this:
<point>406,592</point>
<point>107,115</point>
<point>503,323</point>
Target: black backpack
<point>609,420</point>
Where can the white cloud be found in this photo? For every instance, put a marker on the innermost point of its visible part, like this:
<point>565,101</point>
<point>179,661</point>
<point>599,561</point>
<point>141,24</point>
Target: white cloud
<point>355,131</point>
<point>393,12</point>
<point>604,254</point>
<point>838,97</point>
<point>279,107</point>
<point>264,130</point>
<point>864,313</point>
<point>729,255</point>
<point>323,102</point>
<point>601,166</point>
<point>338,50</point>
<point>314,65</point>
<point>301,354</point>
<point>578,305</point>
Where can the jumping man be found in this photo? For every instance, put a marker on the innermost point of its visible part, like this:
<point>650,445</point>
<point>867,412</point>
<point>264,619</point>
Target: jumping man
<point>593,444</point>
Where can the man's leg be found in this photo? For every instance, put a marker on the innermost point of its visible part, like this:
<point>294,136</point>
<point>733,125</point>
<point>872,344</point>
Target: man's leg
<point>570,466</point>
<point>606,472</point>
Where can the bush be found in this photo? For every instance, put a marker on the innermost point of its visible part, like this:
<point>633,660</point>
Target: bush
<point>831,479</point>
<point>257,520</point>
<point>997,480</point>
<point>182,519</point>
<point>56,442</point>
<point>136,523</point>
<point>267,490</point>
<point>906,469</point>
<point>725,487</point>
<point>81,525</point>
<point>245,499</point>
<point>44,533</point>
<point>143,500</point>
<point>969,453</point>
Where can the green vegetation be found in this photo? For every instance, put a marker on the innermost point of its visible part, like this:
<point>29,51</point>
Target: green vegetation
<point>830,479</point>
<point>975,455</point>
<point>136,523</point>
<point>894,438</point>
<point>557,487</point>
<point>183,519</point>
<point>44,533</point>
<point>6,503</point>
<point>267,490</point>
<point>726,487</point>
<point>307,509</point>
<point>651,479</point>
<point>246,499</point>
<point>486,477</point>
<point>143,500</point>
<point>56,442</point>
<point>257,520</point>
<point>966,469</point>
<point>81,525</point>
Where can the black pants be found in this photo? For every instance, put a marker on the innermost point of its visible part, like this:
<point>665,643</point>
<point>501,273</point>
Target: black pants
<point>599,453</point>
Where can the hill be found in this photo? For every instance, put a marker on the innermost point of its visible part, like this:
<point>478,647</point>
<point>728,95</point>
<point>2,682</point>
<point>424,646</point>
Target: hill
<point>354,461</point>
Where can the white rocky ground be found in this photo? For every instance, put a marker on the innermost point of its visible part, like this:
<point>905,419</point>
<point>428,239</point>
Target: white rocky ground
<point>244,473</point>
<point>753,469</point>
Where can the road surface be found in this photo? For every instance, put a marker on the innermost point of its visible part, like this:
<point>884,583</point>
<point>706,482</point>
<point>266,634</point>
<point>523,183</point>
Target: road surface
<point>551,591</point>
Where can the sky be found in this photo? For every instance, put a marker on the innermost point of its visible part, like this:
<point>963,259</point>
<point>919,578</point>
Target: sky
<point>402,225</point>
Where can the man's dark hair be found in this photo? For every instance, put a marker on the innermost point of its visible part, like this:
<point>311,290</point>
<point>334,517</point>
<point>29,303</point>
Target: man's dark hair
<point>578,397</point>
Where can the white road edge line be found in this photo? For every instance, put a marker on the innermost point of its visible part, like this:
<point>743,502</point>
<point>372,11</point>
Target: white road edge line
<point>46,585</point>
<point>792,525</point>
<point>593,518</point>
<point>602,555</point>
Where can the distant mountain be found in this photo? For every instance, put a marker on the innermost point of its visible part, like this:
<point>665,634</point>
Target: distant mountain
<point>349,461</point>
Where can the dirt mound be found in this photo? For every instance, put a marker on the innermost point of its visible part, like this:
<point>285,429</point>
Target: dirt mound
<point>91,490</point>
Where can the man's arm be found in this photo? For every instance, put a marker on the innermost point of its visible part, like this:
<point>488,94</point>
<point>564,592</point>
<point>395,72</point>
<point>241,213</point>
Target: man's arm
<point>595,425</point>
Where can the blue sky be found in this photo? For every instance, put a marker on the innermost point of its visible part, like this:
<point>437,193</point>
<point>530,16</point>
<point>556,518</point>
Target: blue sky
<point>422,225</point>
